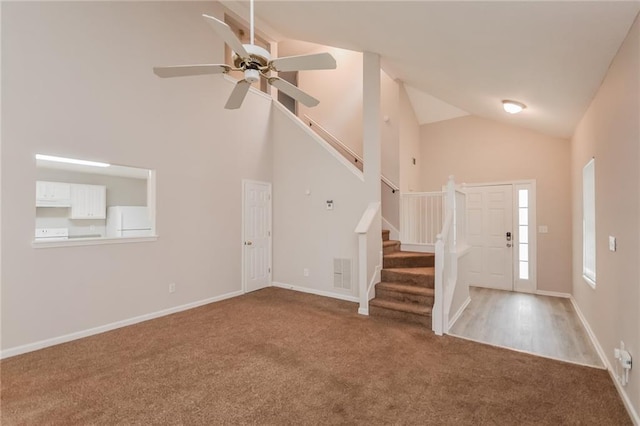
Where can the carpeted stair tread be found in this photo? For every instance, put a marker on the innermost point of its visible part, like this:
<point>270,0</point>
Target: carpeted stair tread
<point>411,308</point>
<point>390,246</point>
<point>389,243</point>
<point>410,254</point>
<point>423,270</point>
<point>408,259</point>
<point>405,293</point>
<point>406,288</point>
<point>419,276</point>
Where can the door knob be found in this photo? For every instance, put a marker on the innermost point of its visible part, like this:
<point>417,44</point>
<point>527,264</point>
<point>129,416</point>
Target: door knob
<point>247,243</point>
<point>508,244</point>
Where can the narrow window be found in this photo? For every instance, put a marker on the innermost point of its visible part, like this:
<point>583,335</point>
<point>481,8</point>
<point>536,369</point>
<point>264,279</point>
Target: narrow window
<point>523,233</point>
<point>589,223</point>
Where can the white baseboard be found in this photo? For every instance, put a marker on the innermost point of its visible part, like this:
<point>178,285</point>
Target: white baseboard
<point>394,234</point>
<point>623,394</point>
<point>422,248</point>
<point>30,347</point>
<point>346,297</point>
<point>459,313</point>
<point>552,294</point>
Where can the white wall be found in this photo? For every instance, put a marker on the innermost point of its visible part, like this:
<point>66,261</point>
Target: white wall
<point>409,140</point>
<point>390,146</point>
<point>390,129</point>
<point>77,81</point>
<point>305,234</point>
<point>477,150</point>
<point>340,110</point>
<point>610,132</point>
<point>339,92</point>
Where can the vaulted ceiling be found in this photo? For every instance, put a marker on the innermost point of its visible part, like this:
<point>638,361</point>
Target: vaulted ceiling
<point>552,56</point>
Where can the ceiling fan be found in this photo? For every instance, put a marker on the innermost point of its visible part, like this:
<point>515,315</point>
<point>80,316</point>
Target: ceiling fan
<point>255,62</point>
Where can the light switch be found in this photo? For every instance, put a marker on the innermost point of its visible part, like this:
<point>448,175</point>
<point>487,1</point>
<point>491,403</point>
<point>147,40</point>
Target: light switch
<point>543,229</point>
<point>612,243</point>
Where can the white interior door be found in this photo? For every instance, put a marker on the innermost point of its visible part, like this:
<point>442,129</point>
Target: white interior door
<point>489,219</point>
<point>256,235</point>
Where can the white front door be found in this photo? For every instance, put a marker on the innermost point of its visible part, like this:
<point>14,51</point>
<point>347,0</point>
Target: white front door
<point>256,235</point>
<point>490,235</point>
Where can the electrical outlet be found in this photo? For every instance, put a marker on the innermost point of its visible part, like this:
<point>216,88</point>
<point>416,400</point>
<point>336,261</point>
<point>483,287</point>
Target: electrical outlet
<point>305,272</point>
<point>172,287</point>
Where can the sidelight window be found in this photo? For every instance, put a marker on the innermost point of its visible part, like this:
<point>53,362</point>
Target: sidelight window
<point>523,234</point>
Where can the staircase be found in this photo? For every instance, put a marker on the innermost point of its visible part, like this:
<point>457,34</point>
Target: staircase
<point>406,290</point>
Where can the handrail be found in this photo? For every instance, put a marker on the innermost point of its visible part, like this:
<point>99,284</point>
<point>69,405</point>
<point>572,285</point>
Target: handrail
<point>367,218</point>
<point>343,146</point>
<point>446,227</point>
<point>390,184</point>
<point>313,123</point>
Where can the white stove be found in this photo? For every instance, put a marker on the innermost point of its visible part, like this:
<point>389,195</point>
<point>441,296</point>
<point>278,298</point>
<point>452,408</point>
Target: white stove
<point>52,234</point>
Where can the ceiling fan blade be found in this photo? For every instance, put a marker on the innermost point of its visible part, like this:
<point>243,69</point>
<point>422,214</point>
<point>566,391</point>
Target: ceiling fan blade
<point>224,31</point>
<point>293,91</point>
<point>318,61</point>
<point>186,70</point>
<point>238,94</point>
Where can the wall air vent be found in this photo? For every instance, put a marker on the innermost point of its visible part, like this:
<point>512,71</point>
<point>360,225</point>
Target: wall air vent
<point>342,274</point>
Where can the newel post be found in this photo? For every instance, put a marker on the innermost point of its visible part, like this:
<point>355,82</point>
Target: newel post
<point>363,309</point>
<point>436,314</point>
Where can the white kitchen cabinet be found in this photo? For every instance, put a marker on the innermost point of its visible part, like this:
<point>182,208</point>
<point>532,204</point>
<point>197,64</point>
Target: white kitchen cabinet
<point>88,201</point>
<point>53,194</point>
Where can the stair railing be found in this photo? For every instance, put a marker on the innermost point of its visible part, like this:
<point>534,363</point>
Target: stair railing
<point>446,261</point>
<point>343,149</point>
<point>421,218</point>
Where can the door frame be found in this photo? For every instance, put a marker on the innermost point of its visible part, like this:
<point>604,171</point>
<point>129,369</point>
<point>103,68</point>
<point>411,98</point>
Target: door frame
<point>242,236</point>
<point>520,285</point>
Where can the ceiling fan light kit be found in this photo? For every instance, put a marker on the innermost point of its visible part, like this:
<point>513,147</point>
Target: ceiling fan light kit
<point>255,62</point>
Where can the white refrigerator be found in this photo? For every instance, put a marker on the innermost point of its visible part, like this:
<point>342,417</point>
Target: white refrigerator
<point>128,221</point>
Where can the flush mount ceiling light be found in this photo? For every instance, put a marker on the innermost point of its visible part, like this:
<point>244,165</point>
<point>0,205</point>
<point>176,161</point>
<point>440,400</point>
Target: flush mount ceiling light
<point>70,161</point>
<point>513,107</point>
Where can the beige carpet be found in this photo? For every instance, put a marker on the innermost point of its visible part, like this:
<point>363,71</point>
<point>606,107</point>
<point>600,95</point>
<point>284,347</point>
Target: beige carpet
<point>280,357</point>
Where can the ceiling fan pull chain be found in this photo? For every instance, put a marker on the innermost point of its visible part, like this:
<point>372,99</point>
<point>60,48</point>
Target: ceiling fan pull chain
<point>251,12</point>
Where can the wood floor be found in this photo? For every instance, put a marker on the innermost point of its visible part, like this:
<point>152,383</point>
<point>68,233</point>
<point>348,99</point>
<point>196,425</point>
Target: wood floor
<point>542,325</point>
